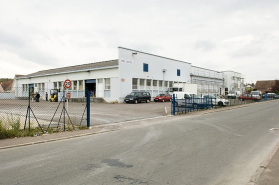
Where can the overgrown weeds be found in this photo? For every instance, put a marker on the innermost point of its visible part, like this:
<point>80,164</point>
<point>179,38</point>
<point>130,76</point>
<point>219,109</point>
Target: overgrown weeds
<point>11,128</point>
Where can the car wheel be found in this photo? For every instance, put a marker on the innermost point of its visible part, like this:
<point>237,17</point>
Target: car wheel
<point>195,106</point>
<point>220,103</point>
<point>136,101</point>
<point>176,104</point>
<point>163,100</point>
<point>147,101</point>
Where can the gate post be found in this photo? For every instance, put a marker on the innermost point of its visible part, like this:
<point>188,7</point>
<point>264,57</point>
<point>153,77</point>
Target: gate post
<point>88,108</point>
<point>173,104</point>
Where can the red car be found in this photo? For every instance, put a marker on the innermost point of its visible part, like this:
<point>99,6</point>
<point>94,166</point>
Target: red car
<point>248,97</point>
<point>163,97</point>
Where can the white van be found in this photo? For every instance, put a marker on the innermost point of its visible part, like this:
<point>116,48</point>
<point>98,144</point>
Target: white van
<point>182,95</point>
<point>257,94</point>
<point>234,94</point>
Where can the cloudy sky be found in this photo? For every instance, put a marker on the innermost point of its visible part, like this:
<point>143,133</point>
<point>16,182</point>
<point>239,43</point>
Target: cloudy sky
<point>237,35</point>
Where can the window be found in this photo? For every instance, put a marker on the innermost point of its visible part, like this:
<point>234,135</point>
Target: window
<point>160,83</point>
<point>141,82</point>
<point>178,72</point>
<point>135,83</point>
<point>75,85</point>
<point>80,84</point>
<point>145,67</point>
<point>148,82</point>
<point>155,82</point>
<point>55,85</point>
<point>107,83</point>
<point>60,86</point>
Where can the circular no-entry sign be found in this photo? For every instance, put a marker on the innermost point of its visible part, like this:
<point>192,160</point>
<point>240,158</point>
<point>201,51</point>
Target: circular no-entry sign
<point>67,83</point>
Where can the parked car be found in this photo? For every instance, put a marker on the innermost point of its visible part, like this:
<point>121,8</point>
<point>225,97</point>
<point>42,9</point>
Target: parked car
<point>217,100</point>
<point>163,97</point>
<point>256,94</point>
<point>136,97</point>
<point>248,97</point>
<point>233,94</point>
<point>269,95</point>
<point>276,96</point>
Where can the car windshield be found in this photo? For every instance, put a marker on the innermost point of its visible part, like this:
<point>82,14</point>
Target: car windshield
<point>195,96</point>
<point>231,92</point>
<point>133,93</point>
<point>161,94</point>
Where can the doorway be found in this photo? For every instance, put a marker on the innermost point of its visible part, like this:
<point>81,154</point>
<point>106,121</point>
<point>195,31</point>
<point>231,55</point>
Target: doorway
<point>90,86</point>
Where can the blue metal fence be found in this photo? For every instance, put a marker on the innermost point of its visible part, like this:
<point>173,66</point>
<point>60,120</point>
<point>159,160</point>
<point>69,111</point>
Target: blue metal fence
<point>190,104</point>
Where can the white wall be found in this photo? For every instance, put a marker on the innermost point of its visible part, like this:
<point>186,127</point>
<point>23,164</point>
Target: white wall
<point>232,80</point>
<point>94,74</point>
<point>156,64</point>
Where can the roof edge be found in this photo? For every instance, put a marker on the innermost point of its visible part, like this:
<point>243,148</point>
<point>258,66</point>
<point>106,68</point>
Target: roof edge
<point>76,71</point>
<point>154,55</point>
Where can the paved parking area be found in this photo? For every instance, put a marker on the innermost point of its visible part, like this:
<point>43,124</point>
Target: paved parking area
<point>100,113</point>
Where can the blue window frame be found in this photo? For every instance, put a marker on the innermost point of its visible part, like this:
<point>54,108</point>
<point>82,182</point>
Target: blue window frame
<point>145,67</point>
<point>178,72</point>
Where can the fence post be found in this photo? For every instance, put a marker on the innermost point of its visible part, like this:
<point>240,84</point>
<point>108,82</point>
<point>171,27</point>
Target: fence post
<point>88,108</point>
<point>29,107</point>
<point>173,104</point>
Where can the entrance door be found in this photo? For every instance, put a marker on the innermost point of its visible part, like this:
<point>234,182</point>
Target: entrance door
<point>31,89</point>
<point>90,85</point>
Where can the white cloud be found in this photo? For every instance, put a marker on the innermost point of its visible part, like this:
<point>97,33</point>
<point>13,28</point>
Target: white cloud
<point>220,35</point>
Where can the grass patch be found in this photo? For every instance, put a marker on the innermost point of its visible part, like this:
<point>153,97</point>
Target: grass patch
<point>12,129</point>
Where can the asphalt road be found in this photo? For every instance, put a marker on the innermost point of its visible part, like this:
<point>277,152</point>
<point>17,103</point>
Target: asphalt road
<point>218,148</point>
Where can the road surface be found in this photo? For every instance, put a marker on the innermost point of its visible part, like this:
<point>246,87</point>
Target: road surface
<point>218,148</point>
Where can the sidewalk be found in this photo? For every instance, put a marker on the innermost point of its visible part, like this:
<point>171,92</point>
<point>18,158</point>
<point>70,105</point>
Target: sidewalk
<point>23,141</point>
<point>270,172</point>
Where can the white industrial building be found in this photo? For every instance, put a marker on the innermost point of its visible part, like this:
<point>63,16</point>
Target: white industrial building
<point>209,81</point>
<point>114,79</point>
<point>233,81</point>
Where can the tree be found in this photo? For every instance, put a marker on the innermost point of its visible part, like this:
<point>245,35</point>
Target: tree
<point>275,87</point>
<point>249,89</point>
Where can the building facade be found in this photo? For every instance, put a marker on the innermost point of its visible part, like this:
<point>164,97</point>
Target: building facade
<point>209,81</point>
<point>114,79</point>
<point>233,81</point>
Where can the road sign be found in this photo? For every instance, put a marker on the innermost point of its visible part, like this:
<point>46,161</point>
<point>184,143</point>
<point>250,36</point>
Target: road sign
<point>68,95</point>
<point>67,83</point>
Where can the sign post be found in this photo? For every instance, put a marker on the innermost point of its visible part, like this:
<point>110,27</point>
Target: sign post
<point>67,85</point>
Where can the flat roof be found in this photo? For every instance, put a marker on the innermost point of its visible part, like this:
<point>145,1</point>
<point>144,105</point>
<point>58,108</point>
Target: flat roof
<point>76,68</point>
<point>207,69</point>
<point>231,71</point>
<point>153,55</point>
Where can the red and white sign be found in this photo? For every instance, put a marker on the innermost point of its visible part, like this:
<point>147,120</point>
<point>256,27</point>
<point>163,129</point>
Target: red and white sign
<point>68,95</point>
<point>67,83</point>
